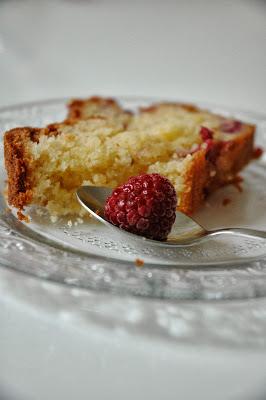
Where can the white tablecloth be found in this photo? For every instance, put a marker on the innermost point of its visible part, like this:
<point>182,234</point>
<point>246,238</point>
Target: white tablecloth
<point>190,50</point>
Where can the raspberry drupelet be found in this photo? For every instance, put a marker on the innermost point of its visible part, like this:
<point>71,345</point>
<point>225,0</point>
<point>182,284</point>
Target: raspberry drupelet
<point>144,205</point>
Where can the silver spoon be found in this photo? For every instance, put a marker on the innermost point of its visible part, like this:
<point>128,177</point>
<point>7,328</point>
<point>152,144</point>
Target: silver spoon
<point>185,230</point>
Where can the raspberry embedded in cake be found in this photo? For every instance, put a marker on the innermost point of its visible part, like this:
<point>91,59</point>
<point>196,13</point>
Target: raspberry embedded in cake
<point>206,133</point>
<point>230,126</point>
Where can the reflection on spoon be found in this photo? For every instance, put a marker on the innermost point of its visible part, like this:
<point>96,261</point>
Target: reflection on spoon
<point>185,230</point>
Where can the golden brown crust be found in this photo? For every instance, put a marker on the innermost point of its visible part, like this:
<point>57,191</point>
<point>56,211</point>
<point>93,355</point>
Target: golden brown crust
<point>196,179</point>
<point>205,176</point>
<point>17,163</point>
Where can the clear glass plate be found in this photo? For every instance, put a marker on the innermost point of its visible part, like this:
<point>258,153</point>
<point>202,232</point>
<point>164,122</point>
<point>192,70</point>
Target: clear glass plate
<point>89,255</point>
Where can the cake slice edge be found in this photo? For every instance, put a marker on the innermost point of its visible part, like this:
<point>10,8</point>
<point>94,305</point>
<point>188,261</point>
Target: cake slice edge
<point>203,176</point>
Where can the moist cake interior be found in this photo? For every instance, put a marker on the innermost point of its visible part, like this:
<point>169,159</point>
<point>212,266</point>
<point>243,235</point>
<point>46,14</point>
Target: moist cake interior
<point>107,148</point>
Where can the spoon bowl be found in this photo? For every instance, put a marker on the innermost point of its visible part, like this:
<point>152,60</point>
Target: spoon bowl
<point>185,231</point>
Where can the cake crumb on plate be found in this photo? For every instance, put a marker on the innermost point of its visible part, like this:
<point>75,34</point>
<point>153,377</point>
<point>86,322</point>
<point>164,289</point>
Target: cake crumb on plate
<point>226,201</point>
<point>139,262</point>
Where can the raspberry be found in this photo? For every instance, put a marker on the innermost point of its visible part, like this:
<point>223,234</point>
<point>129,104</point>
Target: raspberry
<point>257,152</point>
<point>206,133</point>
<point>213,148</point>
<point>230,126</point>
<point>144,205</point>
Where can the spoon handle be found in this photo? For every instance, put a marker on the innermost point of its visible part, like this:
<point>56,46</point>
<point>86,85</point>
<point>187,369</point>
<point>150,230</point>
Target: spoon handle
<point>239,231</point>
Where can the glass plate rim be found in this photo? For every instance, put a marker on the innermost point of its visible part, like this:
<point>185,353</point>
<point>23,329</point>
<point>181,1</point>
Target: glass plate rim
<point>200,103</point>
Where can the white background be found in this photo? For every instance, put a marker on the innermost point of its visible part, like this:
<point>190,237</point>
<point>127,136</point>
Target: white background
<point>193,50</point>
<point>211,51</point>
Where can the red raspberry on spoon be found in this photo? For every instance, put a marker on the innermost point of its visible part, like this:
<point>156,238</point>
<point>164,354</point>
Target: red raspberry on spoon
<point>144,205</point>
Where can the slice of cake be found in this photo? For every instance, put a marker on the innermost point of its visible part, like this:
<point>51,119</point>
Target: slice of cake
<point>101,144</point>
